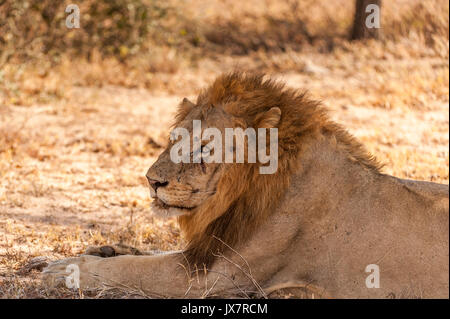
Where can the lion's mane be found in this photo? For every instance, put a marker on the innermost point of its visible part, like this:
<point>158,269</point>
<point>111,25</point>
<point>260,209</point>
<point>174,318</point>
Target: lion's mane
<point>244,198</point>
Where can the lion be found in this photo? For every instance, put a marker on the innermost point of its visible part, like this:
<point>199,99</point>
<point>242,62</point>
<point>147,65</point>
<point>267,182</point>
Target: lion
<point>328,221</point>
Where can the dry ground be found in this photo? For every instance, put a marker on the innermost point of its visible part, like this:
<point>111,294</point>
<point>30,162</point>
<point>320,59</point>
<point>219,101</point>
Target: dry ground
<point>72,166</point>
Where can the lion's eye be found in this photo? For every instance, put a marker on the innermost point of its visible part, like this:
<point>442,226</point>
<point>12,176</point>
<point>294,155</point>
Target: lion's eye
<point>206,149</point>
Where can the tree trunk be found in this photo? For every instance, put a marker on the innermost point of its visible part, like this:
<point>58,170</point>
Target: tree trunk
<point>362,29</point>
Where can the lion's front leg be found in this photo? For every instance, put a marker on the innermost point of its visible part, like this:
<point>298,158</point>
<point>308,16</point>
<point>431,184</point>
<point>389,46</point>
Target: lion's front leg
<point>163,275</point>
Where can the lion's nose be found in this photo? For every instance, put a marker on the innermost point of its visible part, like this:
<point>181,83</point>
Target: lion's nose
<point>156,183</point>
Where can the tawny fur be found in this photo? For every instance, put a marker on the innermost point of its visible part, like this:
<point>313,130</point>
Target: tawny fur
<point>245,198</point>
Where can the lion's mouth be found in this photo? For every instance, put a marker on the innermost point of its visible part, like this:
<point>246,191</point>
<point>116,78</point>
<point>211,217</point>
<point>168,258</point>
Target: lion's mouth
<point>163,210</point>
<point>160,204</point>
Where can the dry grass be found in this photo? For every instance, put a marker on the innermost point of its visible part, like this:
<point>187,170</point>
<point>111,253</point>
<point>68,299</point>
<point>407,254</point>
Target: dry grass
<point>79,128</point>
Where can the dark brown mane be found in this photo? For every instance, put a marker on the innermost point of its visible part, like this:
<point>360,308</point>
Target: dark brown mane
<point>245,198</point>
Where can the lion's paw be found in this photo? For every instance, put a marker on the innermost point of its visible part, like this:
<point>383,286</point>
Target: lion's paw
<point>73,272</point>
<point>112,251</point>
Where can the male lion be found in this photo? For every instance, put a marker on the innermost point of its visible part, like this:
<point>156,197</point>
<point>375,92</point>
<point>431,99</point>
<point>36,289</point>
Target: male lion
<point>328,221</point>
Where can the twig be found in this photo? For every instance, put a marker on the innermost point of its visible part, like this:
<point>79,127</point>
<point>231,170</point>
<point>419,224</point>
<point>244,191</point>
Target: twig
<point>249,275</point>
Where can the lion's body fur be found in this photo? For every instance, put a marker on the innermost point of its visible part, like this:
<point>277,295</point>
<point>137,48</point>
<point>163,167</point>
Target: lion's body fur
<point>245,198</point>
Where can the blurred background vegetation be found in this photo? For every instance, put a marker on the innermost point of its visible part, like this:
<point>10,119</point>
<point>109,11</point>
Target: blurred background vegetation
<point>142,42</point>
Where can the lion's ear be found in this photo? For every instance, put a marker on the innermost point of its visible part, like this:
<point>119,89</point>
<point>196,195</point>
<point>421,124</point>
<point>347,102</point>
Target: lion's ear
<point>270,119</point>
<point>186,104</point>
<point>183,110</point>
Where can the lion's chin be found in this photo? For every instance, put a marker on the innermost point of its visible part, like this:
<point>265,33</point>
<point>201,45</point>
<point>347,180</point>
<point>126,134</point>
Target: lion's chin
<point>164,211</point>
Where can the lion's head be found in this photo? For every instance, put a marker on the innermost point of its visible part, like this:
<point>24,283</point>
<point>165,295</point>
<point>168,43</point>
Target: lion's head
<point>227,201</point>
<point>180,188</point>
